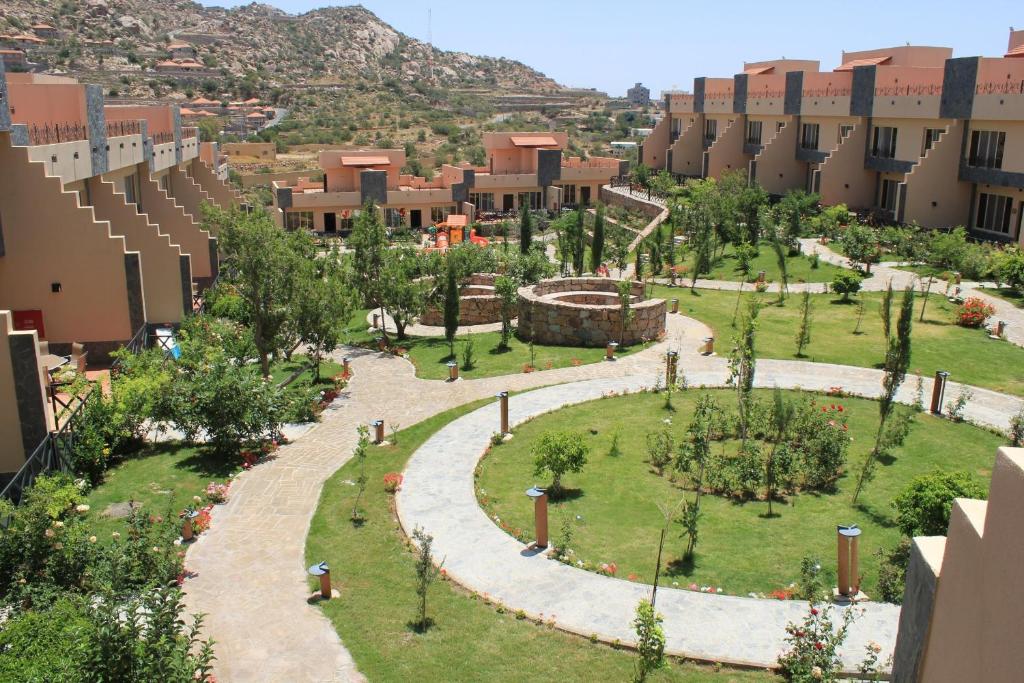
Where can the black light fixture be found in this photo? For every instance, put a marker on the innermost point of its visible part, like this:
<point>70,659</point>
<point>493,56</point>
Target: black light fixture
<point>55,287</point>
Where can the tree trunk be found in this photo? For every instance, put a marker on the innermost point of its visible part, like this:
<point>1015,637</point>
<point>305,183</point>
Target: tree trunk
<point>265,363</point>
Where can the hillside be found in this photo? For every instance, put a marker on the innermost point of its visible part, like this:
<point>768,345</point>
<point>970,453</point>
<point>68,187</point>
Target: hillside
<point>250,48</point>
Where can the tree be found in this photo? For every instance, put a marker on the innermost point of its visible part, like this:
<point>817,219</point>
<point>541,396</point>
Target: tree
<point>578,241</point>
<point>597,244</point>
<point>525,230</point>
<point>1009,267</point>
<point>924,506</point>
<point>323,307</point>
<point>654,244</point>
<point>782,416</point>
<point>650,641</point>
<point>860,244</point>
<point>846,283</point>
<point>451,304</point>
<point>266,263</point>
<point>742,365</point>
<point>897,360</point>
<point>780,259</point>
<point>626,312</point>
<point>426,573</point>
<point>558,453</point>
<point>885,311</point>
<point>362,445</point>
<point>369,243</point>
<point>506,288</point>
<point>403,291</point>
<point>803,334</point>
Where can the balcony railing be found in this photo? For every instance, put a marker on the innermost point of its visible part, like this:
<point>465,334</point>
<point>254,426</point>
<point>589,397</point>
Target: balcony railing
<point>119,128</point>
<point>162,138</point>
<point>189,132</point>
<point>827,92</point>
<point>49,134</point>
<point>765,94</point>
<point>1005,88</point>
<point>909,90</point>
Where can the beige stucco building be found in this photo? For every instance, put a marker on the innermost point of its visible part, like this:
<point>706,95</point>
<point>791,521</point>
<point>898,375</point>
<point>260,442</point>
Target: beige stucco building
<point>910,131</point>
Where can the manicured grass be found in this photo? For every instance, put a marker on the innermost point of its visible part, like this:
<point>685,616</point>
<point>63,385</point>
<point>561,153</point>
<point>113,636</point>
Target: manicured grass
<point>282,370</point>
<point>798,268</point>
<point>163,477</point>
<point>470,640</point>
<point>430,355</point>
<point>614,506</point>
<point>938,343</point>
<point>1007,294</point>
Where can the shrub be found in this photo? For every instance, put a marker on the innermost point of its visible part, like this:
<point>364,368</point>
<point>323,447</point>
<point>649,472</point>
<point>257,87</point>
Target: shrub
<point>892,570</point>
<point>973,312</point>
<point>812,655</point>
<point>923,507</point>
<point>559,453</point>
<point>392,482</point>
<point>846,283</point>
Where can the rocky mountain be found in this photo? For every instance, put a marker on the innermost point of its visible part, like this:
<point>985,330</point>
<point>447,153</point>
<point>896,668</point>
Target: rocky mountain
<point>256,45</point>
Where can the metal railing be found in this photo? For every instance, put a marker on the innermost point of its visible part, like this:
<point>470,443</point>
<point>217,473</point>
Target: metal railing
<point>137,344</point>
<point>908,90</point>
<point>765,94</point>
<point>162,138</point>
<point>53,454</point>
<point>1005,88</point>
<point>52,133</point>
<point>119,128</point>
<point>826,92</point>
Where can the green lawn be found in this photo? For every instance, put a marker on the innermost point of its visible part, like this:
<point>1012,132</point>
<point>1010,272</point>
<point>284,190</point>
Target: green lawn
<point>1007,294</point>
<point>282,370</point>
<point>162,477</point>
<point>616,499</point>
<point>470,641</point>
<point>430,355</point>
<point>799,268</point>
<point>938,343</point>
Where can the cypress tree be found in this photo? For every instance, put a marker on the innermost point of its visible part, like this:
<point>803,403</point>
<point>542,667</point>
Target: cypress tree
<point>597,246</point>
<point>451,306</point>
<point>525,230</point>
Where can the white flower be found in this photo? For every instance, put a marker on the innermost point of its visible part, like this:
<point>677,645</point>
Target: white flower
<point>116,535</point>
<point>81,507</point>
<point>92,539</point>
<point>816,673</point>
<point>58,545</point>
<point>675,583</point>
<point>48,533</point>
<point>667,420</point>
<point>58,524</point>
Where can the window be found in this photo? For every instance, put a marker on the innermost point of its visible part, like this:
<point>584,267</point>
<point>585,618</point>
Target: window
<point>753,132</point>
<point>298,220</point>
<point>994,213</point>
<point>439,213</point>
<point>888,199</point>
<point>710,131</point>
<point>483,201</point>
<point>529,200</point>
<point>987,148</point>
<point>677,129</point>
<point>884,142</point>
<point>844,131</point>
<point>130,195</point>
<point>568,194</point>
<point>779,125</point>
<point>392,218</point>
<point>809,136</point>
<point>931,136</point>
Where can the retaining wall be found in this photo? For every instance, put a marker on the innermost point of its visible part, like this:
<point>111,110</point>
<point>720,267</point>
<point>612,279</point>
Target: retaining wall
<point>478,304</point>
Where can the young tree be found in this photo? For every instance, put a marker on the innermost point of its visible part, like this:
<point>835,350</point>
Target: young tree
<point>885,312</point>
<point>860,243</point>
<point>654,244</point>
<point>846,283</point>
<point>626,312</point>
<point>426,573</point>
<point>742,364</point>
<point>579,242</point>
<point>597,244</point>
<point>525,230</point>
<point>369,244</point>
<point>558,453</point>
<point>506,288</point>
<point>650,641</point>
<point>669,250</point>
<point>362,445</point>
<point>451,304</point>
<point>780,259</point>
<point>897,360</point>
<point>782,416</point>
<point>323,307</point>
<point>803,334</point>
<point>403,292</point>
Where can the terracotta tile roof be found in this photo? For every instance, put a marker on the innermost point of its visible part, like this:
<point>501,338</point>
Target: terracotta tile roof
<point>758,70</point>
<point>534,141</point>
<point>870,61</point>
<point>255,115</point>
<point>252,100</point>
<point>456,220</point>
<point>203,100</point>
<point>1016,52</point>
<point>365,161</point>
<point>178,46</point>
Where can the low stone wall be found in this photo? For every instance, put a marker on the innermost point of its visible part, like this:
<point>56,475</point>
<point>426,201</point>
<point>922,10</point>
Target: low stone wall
<point>586,312</point>
<point>478,304</point>
<point>649,209</point>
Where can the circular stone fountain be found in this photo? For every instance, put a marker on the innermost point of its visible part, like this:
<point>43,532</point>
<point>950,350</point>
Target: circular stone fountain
<point>478,303</point>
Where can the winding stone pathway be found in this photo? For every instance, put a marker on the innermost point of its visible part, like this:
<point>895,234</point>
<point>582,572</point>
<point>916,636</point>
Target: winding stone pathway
<point>251,579</point>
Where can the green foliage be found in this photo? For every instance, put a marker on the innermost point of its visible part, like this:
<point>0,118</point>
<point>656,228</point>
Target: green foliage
<point>597,244</point>
<point>846,283</point>
<point>507,289</point>
<point>525,231</point>
<point>404,285</point>
<point>803,333</point>
<point>745,253</point>
<point>1009,265</point>
<point>924,506</point>
<point>323,306</point>
<point>742,364</point>
<point>811,586</point>
<point>451,305</point>
<point>558,453</point>
<point>813,646</point>
<point>650,641</point>
<point>369,244</point>
<point>892,571</point>
<point>359,456</point>
<point>426,573</point>
<point>468,355</point>
<point>661,447</point>
<point>860,243</point>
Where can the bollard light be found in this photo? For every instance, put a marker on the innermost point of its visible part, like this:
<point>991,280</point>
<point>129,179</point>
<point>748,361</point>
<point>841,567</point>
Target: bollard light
<point>709,346</point>
<point>760,276</point>
<point>453,371</point>
<point>376,321</point>
<point>382,344</point>
<point>1000,330</point>
<point>378,431</point>
<point>187,530</point>
<point>671,361</point>
<point>847,538</point>
<point>957,277</point>
<point>324,572</point>
<point>502,397</point>
<point>939,391</point>
<point>540,515</point>
<point>346,363</point>
<point>675,305</point>
<point>609,350</point>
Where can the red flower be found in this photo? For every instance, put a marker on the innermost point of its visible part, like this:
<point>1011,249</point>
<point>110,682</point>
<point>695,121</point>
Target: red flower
<point>818,645</point>
<point>839,408</point>
<point>814,611</point>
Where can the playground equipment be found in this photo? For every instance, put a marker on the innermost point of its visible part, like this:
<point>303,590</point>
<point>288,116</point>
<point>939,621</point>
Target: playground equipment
<point>450,231</point>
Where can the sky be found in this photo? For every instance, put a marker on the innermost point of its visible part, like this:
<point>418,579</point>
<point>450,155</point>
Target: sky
<point>610,44</point>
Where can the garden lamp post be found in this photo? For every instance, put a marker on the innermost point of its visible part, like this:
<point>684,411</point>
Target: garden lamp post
<point>323,571</point>
<point>938,391</point>
<point>453,371</point>
<point>849,581</point>
<point>378,431</point>
<point>502,397</point>
<point>347,365</point>
<point>540,515</point>
<point>709,346</point>
<point>376,321</point>
<point>675,305</point>
<point>187,530</point>
<point>609,350</point>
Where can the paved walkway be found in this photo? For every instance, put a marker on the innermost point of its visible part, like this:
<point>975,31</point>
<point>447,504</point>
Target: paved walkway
<point>251,578</point>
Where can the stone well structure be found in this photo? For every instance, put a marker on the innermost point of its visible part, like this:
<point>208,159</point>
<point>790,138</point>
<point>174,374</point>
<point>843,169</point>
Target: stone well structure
<point>478,303</point>
<point>585,311</point>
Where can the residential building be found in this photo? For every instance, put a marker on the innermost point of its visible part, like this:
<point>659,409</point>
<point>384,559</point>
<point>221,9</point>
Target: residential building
<point>522,170</point>
<point>909,132</point>
<point>99,214</point>
<point>25,414</point>
<point>45,31</point>
<point>638,95</point>
<point>14,60</point>
<point>182,51</point>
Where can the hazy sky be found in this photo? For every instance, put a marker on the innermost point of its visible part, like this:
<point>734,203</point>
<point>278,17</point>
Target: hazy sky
<point>610,44</point>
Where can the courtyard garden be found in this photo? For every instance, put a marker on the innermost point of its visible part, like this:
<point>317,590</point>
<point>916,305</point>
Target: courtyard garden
<point>608,516</point>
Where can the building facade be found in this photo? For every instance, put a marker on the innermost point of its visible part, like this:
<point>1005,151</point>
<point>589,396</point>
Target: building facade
<point>910,132</point>
<point>638,95</point>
